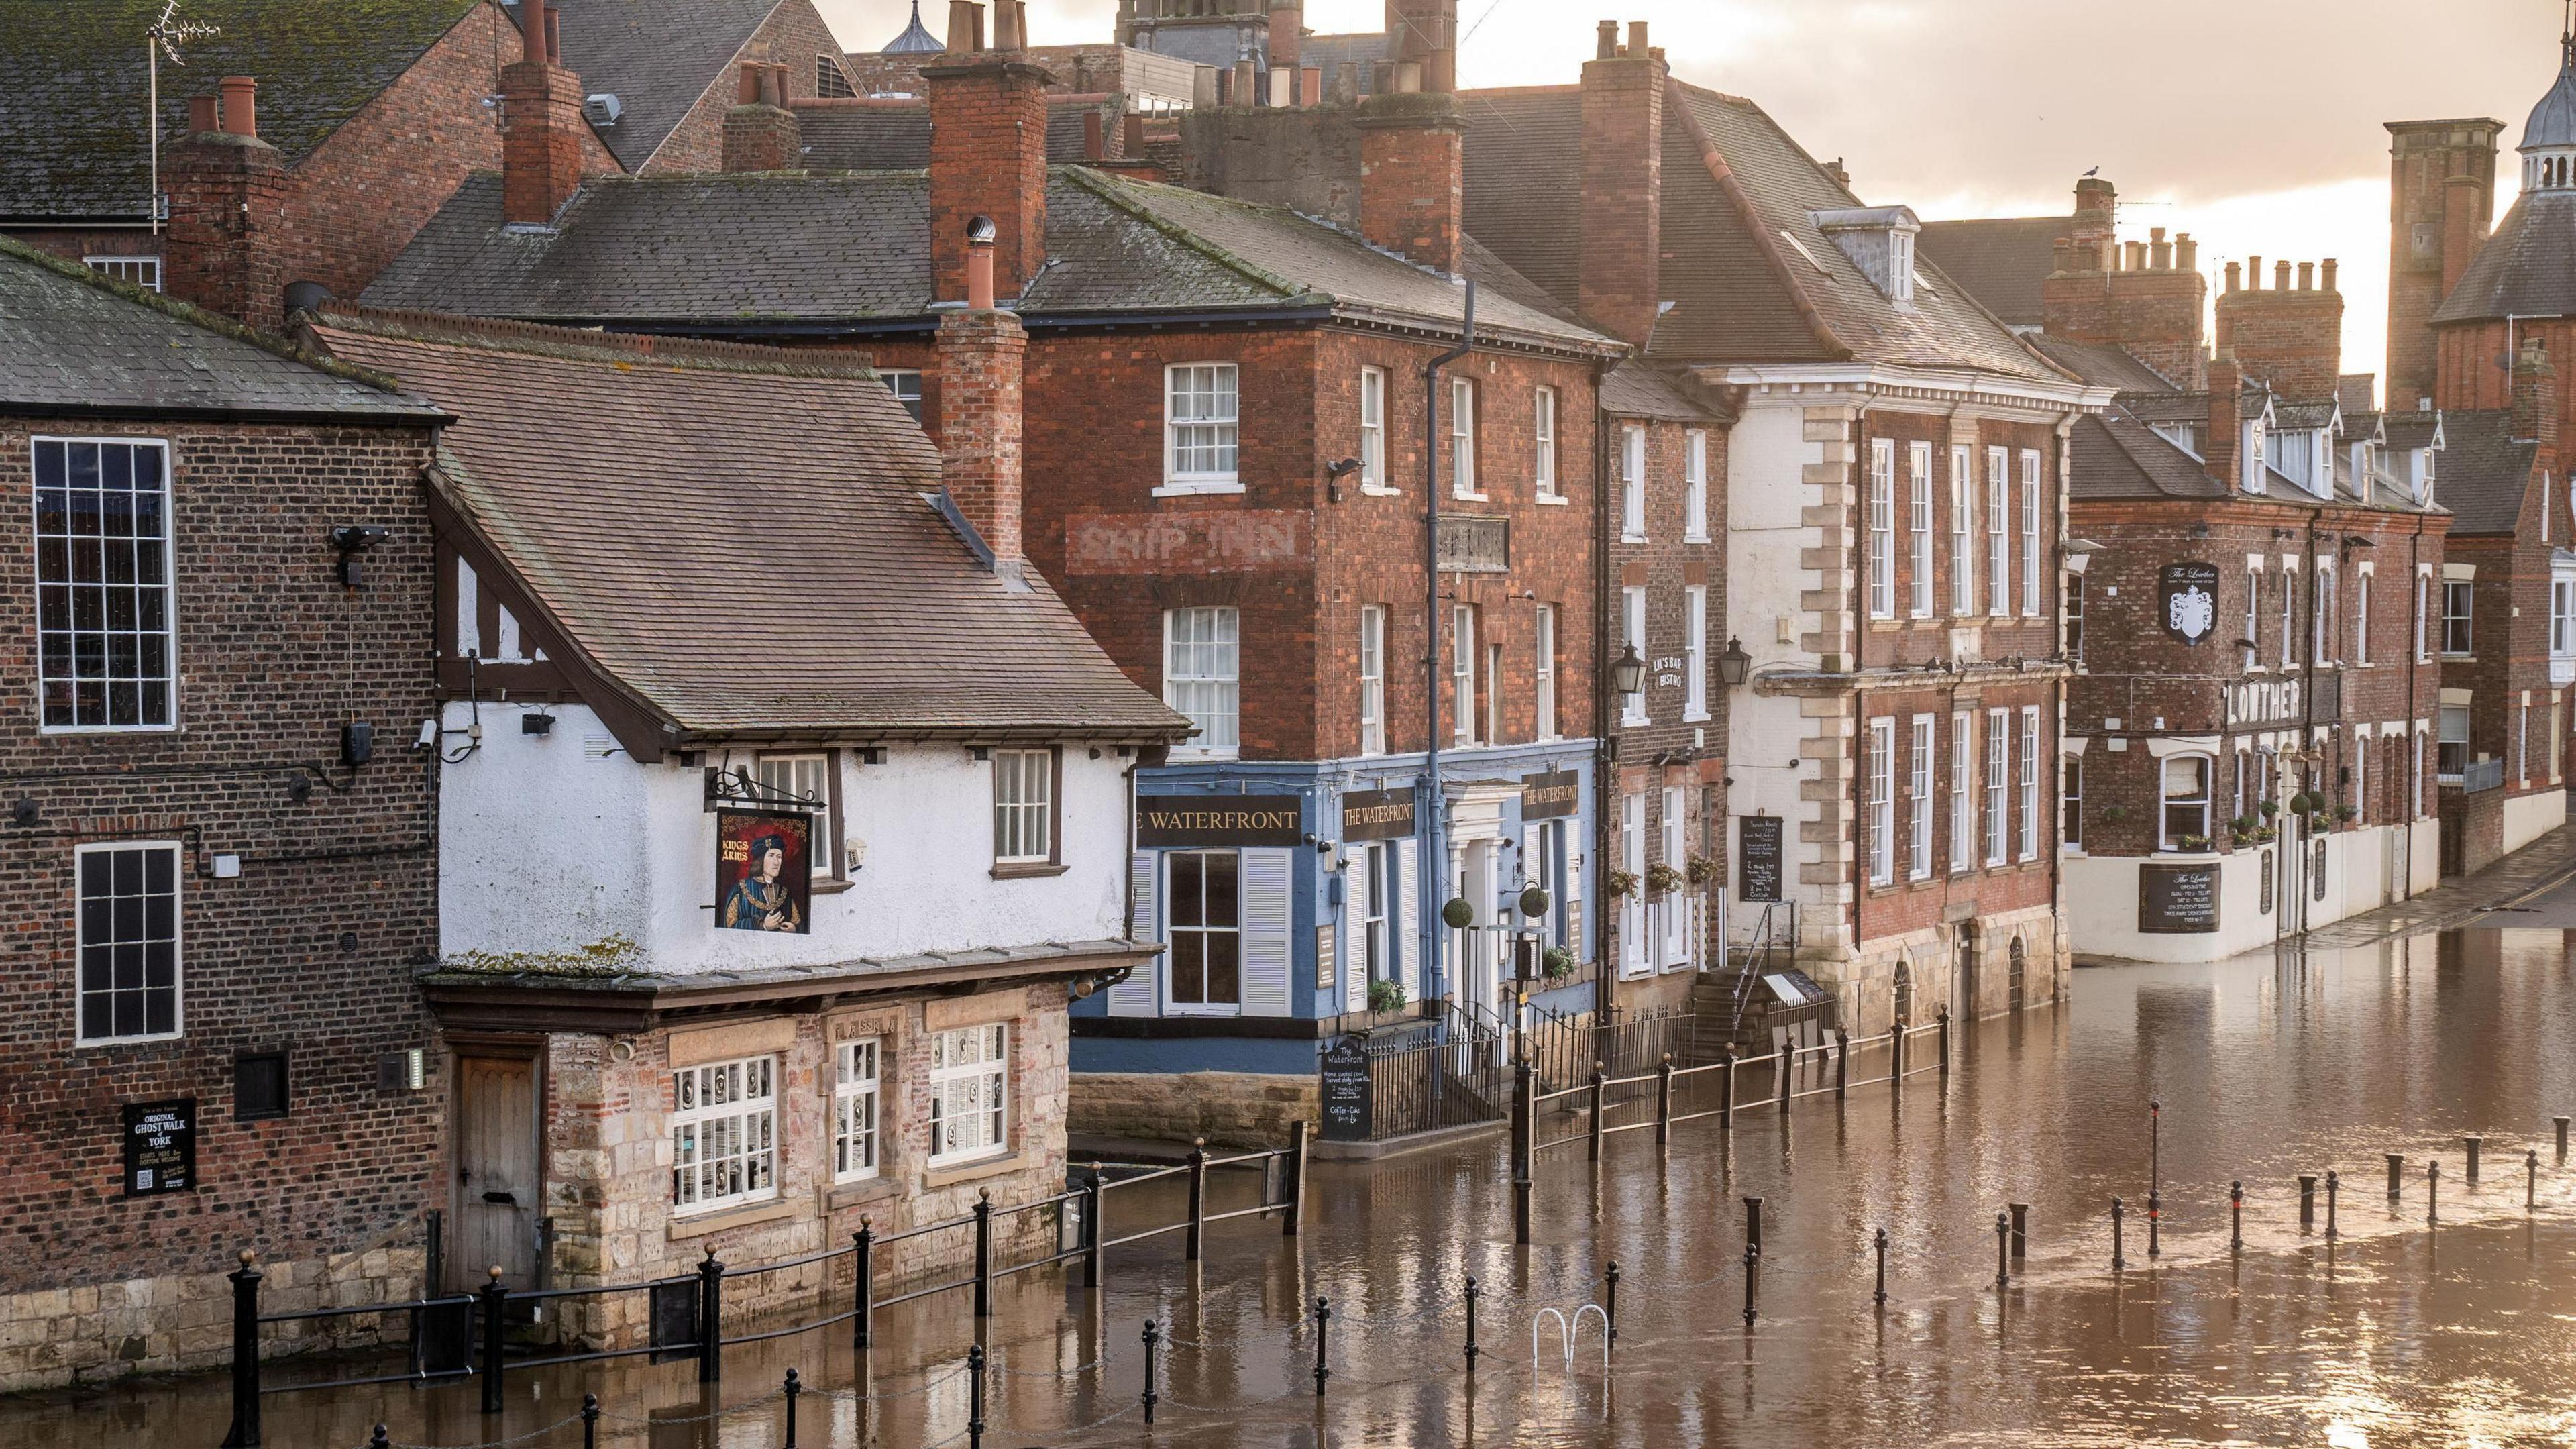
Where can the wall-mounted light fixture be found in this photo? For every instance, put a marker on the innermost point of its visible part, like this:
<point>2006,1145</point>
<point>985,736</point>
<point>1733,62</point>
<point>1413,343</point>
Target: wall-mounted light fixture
<point>1628,675</point>
<point>1734,666</point>
<point>352,540</point>
<point>1334,473</point>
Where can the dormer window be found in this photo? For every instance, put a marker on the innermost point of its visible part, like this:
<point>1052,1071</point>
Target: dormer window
<point>1880,241</point>
<point>2255,455</point>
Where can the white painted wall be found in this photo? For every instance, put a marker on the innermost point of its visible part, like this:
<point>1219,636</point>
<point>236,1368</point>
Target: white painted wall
<point>2529,817</point>
<point>1767,538</point>
<point>2102,895</point>
<point>548,847</point>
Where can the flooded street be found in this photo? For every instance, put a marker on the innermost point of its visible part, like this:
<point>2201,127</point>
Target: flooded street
<point>2393,1333</point>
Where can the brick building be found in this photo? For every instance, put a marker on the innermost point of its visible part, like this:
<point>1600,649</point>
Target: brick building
<point>210,796</point>
<point>1895,475</point>
<point>1226,441</point>
<point>783,809</point>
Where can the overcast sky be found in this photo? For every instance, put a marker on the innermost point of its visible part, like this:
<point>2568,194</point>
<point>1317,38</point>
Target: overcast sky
<point>2253,124</point>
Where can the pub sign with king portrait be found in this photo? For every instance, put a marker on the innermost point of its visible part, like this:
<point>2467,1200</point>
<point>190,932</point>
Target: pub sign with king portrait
<point>764,871</point>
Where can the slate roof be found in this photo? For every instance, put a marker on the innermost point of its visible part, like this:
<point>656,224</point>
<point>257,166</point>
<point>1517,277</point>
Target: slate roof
<point>2113,455</point>
<point>74,342</point>
<point>657,57</point>
<point>2485,473</point>
<point>751,253</point>
<point>2001,261</point>
<point>73,85</point>
<point>2303,416</point>
<point>2527,269</point>
<point>2101,365</point>
<point>2553,122</point>
<point>1635,389</point>
<point>2408,432</point>
<point>739,538</point>
<point>872,135</point>
<point>1331,52</point>
<point>2164,405</point>
<point>1749,274</point>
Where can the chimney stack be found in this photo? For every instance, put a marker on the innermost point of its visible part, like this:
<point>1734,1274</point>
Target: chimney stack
<point>2126,295</point>
<point>1621,273</point>
<point>1426,34</point>
<point>240,106</point>
<point>1287,36</point>
<point>981,355</point>
<point>2186,253</point>
<point>2096,208</point>
<point>2235,277</point>
<point>2288,338</point>
<point>1606,47</point>
<point>2535,396</point>
<point>2160,251</point>
<point>204,114</point>
<point>988,130</point>
<point>541,149</point>
<point>2358,392</point>
<point>226,188</point>
<point>760,133</point>
<point>2326,279</point>
<point>1413,180</point>
<point>2226,424</point>
<point>2254,273</point>
<point>2280,276</point>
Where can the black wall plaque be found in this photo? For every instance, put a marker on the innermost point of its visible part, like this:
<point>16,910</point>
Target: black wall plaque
<point>1551,797</point>
<point>1757,857</point>
<point>2267,882</point>
<point>2178,900</point>
<point>1165,821</point>
<point>2187,600</point>
<point>160,1147</point>
<point>1377,814</point>
<point>1347,1101</point>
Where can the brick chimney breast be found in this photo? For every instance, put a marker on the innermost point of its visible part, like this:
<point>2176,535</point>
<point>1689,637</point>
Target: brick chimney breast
<point>222,250</point>
<point>2219,438</point>
<point>541,149</point>
<point>2287,337</point>
<point>2535,396</point>
<point>761,134</point>
<point>981,354</point>
<point>1621,276</point>
<point>988,132</point>
<point>1413,191</point>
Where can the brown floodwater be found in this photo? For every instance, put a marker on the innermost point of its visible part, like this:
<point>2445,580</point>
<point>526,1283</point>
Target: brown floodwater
<point>2395,1332</point>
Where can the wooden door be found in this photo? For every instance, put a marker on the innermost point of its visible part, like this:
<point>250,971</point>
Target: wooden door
<point>498,1186</point>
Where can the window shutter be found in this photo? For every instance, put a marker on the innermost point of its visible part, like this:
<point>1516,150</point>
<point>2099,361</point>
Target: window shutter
<point>1405,923</point>
<point>1266,953</point>
<point>1354,957</point>
<point>1141,994</point>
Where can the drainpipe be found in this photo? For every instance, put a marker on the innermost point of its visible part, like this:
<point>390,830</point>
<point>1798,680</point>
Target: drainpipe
<point>1605,750</point>
<point>2419,598</point>
<point>2316,603</point>
<point>1433,817</point>
<point>1860,640</point>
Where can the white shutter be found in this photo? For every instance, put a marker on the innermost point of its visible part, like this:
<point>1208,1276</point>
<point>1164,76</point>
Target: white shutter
<point>1355,909</point>
<point>1141,993</point>
<point>1266,953</point>
<point>1405,922</point>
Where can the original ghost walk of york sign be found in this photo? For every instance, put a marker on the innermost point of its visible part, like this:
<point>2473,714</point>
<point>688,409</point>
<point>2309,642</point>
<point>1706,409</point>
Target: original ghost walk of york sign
<point>2187,600</point>
<point>160,1147</point>
<point>1164,822</point>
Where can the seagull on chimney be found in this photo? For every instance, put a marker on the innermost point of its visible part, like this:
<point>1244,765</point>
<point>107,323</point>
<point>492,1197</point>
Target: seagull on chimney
<point>2096,171</point>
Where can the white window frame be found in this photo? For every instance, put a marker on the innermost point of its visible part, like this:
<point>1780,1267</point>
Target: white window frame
<point>1462,441</point>
<point>72,584</point>
<point>173,854</point>
<point>1695,487</point>
<point>2070,802</point>
<point>1462,672</point>
<point>1373,431</point>
<point>2361,619</point>
<point>2522,741</point>
<point>977,1124</point>
<point>1221,384</point>
<point>748,1087</point>
<point>2323,638</point>
<point>2166,835</point>
<point>905,384</point>
<point>1999,532</point>
<point>1919,524</point>
<point>1963,802</point>
<point>1024,817</point>
<point>1543,635</point>
<point>1174,928</point>
<point>2028,765</point>
<point>1998,786</point>
<point>138,270</point>
<point>1632,616</point>
<point>1918,779</point>
<point>2030,550</point>
<point>1636,958</point>
<point>2289,613</point>
<point>1493,683</point>
<point>788,775</point>
<point>1882,528</point>
<point>2466,614</point>
<point>2253,615</point>
<point>1632,483</point>
<point>1694,653</point>
<point>1543,444</point>
<point>858,1072</point>
<point>1372,679</point>
<point>1882,800</point>
<point>2423,618</point>
<point>2562,616</point>
<point>2442,719</point>
<point>1223,647</point>
<point>1963,531</point>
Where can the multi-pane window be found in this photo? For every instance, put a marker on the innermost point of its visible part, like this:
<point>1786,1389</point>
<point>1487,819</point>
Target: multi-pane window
<point>1998,785</point>
<point>2321,646</point>
<point>1963,523</point>
<point>1918,800</point>
<point>854,1109</point>
<point>2562,617</point>
<point>2030,534</point>
<point>2289,617</point>
<point>2522,742</point>
<point>970,1075</point>
<point>2423,618</point>
<point>830,80</point>
<point>1963,813</point>
<point>1462,671</point>
<point>2451,760</point>
<point>1882,528</point>
<point>1201,674</point>
<point>1493,694</point>
<point>2186,802</point>
<point>2253,613</point>
<point>1543,631</point>
<point>2456,597</point>
<point>724,1134</point>
<point>1632,617</point>
<point>1462,439</point>
<point>1882,801</point>
<point>1998,531</point>
<point>2070,800</point>
<point>1023,806</point>
<point>1201,425</point>
<point>1695,491</point>
<point>1373,887</point>
<point>807,780</point>
<point>128,942</point>
<point>1632,484</point>
<point>1919,524</point>
<point>906,387</point>
<point>2361,619</point>
<point>1372,427</point>
<point>1544,460</point>
<point>144,272</point>
<point>2029,763</point>
<point>103,635</point>
<point>1372,680</point>
<point>1207,931</point>
<point>1695,652</point>
<point>2075,618</point>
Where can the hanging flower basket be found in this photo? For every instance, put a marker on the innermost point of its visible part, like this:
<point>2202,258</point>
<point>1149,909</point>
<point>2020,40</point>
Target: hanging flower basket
<point>1663,880</point>
<point>1458,913</point>
<point>1703,871</point>
<point>2268,808</point>
<point>1558,962</point>
<point>1620,884</point>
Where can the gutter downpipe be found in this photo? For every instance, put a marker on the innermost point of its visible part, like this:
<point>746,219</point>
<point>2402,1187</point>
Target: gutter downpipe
<point>1433,813</point>
<point>1861,843</point>
<point>1605,751</point>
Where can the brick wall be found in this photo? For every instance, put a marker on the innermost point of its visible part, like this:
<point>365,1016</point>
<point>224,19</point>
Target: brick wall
<point>2423,158</point>
<point>309,951</point>
<point>2290,339</point>
<point>793,36</point>
<point>988,117</point>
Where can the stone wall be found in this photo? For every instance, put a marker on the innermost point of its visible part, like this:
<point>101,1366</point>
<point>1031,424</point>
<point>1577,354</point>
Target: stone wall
<point>1229,1109</point>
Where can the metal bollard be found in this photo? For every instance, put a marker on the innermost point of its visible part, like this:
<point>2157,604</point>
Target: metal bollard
<point>590,1421</point>
<point>2396,1176</point>
<point>863,1283</point>
<point>1323,1327</point>
<point>2433,1191</point>
<point>1752,1280</point>
<point>975,1396</point>
<point>1292,1221</point>
<point>1842,1063</point>
<point>2475,1145</point>
<point>380,1439</point>
<point>2003,1250</point>
<point>1471,1323</point>
<point>245,1281</point>
<point>2155,1177</point>
<point>710,1318</point>
<point>2562,1138</point>
<point>1610,1307</point>
<point>1753,1226</point>
<point>1197,1235</point>
<point>1789,1054</point>
<point>2020,1231</point>
<point>1880,1296</point>
<point>1726,1097</point>
<point>1664,1101</point>
<point>2118,1261</point>
<point>2307,1201</point>
<point>2334,1185</point>
<point>2236,1217</point>
<point>2531,1185</point>
<point>984,1252</point>
<point>1095,1237</point>
<point>495,1299</point>
<point>1945,1041</point>
<point>1153,1336</point>
<point>1598,1077</point>
<point>792,1389</point>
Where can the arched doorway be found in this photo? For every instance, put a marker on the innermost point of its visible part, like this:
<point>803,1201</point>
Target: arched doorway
<point>2020,964</point>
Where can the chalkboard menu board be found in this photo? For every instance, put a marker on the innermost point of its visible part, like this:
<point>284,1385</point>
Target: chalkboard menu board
<point>1347,1110</point>
<point>1757,858</point>
<point>160,1147</point>
<point>2178,900</point>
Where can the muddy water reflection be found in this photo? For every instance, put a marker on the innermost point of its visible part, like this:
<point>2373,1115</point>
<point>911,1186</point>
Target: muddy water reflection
<point>2268,1068</point>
